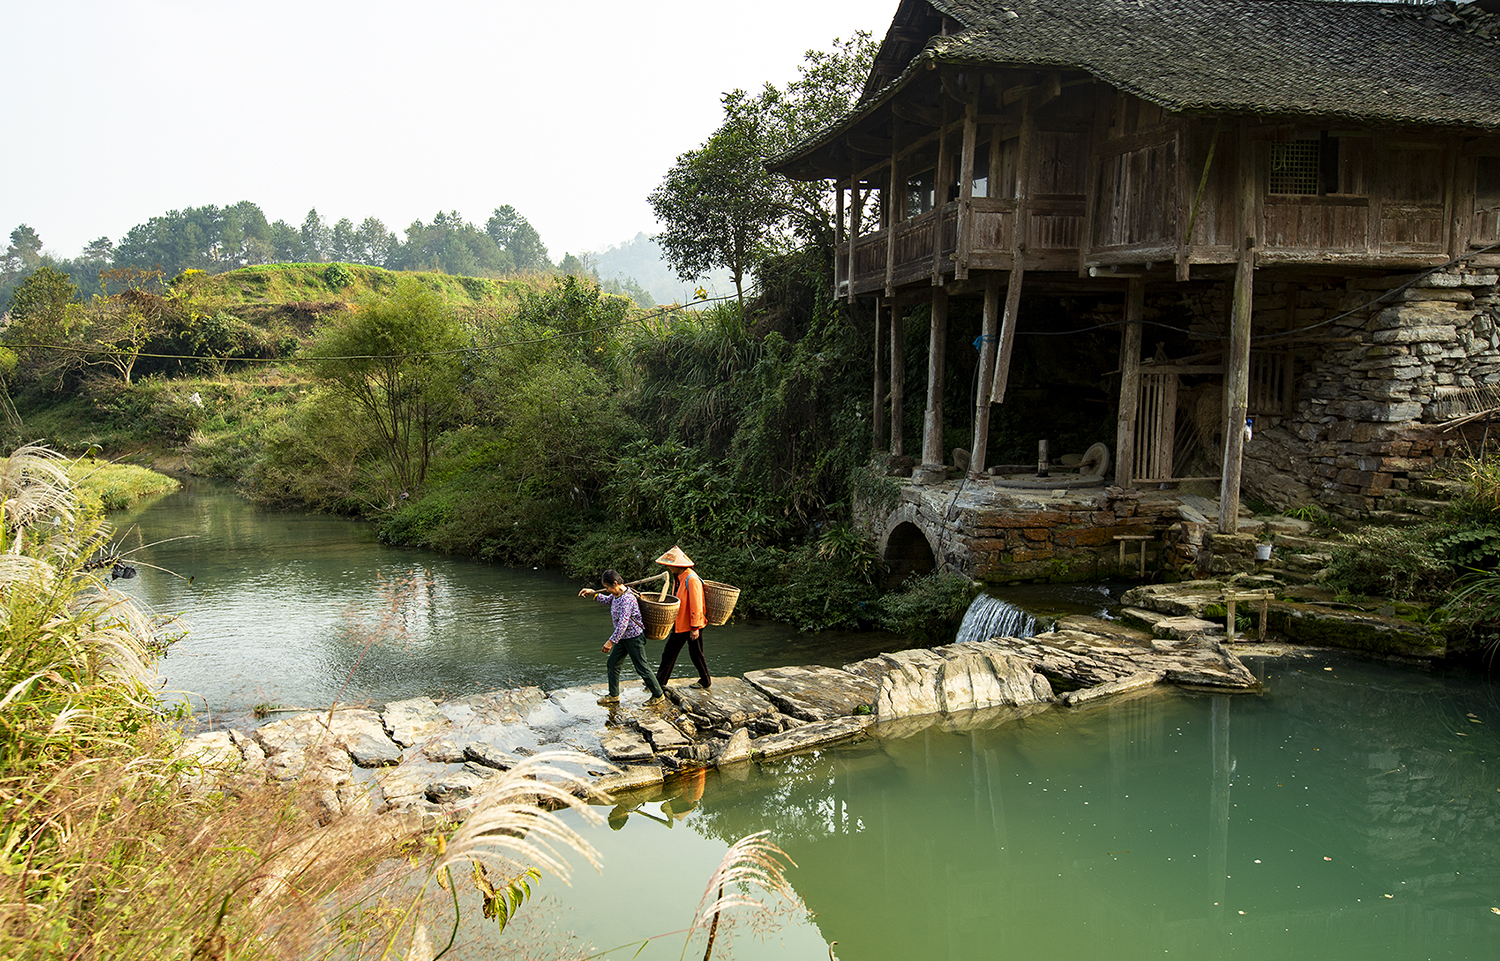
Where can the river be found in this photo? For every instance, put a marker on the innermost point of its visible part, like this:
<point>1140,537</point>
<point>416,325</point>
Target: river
<point>1350,811</point>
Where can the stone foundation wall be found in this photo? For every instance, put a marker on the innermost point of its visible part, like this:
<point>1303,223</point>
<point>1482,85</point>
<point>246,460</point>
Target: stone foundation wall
<point>1371,387</point>
<point>999,536</point>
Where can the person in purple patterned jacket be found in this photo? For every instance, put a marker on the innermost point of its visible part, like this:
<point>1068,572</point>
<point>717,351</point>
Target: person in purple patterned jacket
<point>629,637</point>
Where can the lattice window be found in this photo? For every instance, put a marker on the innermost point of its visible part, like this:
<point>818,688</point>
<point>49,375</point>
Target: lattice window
<point>1294,166</point>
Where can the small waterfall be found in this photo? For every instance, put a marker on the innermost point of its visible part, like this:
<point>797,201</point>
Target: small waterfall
<point>991,617</point>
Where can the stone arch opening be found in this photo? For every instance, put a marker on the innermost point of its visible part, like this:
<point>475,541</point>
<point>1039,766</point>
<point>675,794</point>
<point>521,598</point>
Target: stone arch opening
<point>907,554</point>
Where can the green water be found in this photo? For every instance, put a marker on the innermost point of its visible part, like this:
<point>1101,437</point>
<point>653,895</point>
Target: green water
<point>1346,813</point>
<point>1350,811</point>
<point>300,611</point>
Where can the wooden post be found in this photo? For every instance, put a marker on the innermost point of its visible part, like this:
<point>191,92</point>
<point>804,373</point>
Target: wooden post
<point>932,424</point>
<point>940,195</point>
<point>1237,356</point>
<point>892,212</point>
<point>898,377</point>
<point>856,208</point>
<point>1130,382</point>
<point>879,408</point>
<point>987,345</point>
<point>1229,598</point>
<point>1008,329</point>
<point>965,225</point>
<point>1236,388</point>
<point>839,235</point>
<point>1017,249</point>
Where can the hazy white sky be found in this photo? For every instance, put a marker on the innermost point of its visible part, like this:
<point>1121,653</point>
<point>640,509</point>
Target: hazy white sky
<point>571,112</point>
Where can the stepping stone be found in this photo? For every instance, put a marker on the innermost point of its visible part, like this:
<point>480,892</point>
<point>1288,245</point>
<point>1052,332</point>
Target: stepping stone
<point>623,746</point>
<point>413,721</point>
<point>663,736</point>
<point>813,693</point>
<point>731,701</point>
<point>809,736</point>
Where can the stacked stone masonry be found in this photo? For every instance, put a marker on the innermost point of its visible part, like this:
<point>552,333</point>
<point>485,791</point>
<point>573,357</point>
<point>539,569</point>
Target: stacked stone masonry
<point>1374,386</point>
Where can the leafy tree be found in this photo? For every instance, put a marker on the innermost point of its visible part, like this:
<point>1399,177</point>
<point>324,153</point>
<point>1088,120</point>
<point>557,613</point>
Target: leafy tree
<point>25,248</point>
<point>316,237</point>
<point>376,244</point>
<point>107,330</point>
<point>397,360</point>
<point>718,205</point>
<point>345,241</point>
<point>579,266</point>
<point>42,298</point>
<point>513,234</point>
<point>99,251</point>
<point>286,244</point>
<point>828,84</point>
<point>452,245</point>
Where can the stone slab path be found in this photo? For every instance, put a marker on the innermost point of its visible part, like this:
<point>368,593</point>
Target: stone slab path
<point>418,756</point>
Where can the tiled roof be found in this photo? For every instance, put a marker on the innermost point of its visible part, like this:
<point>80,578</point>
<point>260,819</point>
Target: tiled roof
<point>1385,62</point>
<point>1371,62</point>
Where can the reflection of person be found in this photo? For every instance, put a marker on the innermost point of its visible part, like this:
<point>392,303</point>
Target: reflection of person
<point>691,618</point>
<point>629,637</point>
<point>690,792</point>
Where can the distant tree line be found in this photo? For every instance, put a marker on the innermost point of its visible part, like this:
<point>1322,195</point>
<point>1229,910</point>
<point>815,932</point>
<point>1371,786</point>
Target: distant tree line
<point>217,239</point>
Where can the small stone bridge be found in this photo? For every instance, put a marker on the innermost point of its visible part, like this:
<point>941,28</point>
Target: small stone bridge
<point>1011,534</point>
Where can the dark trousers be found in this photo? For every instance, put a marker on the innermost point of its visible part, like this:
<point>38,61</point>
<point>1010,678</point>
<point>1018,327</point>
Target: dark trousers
<point>675,640</point>
<point>635,648</point>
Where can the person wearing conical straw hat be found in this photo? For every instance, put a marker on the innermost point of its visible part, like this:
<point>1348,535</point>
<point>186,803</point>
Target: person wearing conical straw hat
<point>692,617</point>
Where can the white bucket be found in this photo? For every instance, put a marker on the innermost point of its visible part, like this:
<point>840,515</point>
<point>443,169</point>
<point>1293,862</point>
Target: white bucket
<point>1262,552</point>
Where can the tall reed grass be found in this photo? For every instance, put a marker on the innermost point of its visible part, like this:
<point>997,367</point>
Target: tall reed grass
<point>103,853</point>
<point>115,844</point>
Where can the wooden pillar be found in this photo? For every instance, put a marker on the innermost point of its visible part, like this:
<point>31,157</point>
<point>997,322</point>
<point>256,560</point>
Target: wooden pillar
<point>1237,356</point>
<point>965,225</point>
<point>987,345</point>
<point>879,408</point>
<point>940,195</point>
<point>856,208</point>
<point>1236,388</point>
<point>932,422</point>
<point>892,211</point>
<point>1130,382</point>
<point>1024,164</point>
<point>898,377</point>
<point>1008,330</point>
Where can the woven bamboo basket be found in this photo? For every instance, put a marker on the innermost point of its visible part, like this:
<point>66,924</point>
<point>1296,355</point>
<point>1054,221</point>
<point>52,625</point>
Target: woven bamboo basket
<point>718,601</point>
<point>658,614</point>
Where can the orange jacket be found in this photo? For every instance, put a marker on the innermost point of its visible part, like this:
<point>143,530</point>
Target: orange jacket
<point>690,613</point>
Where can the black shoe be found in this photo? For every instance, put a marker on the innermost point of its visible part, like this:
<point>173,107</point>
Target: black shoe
<point>705,685</point>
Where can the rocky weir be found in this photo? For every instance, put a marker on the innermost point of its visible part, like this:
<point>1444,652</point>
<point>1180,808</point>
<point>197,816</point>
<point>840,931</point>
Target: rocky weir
<point>429,758</point>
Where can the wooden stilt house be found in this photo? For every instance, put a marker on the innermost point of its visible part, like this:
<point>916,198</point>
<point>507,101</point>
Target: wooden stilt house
<point>1310,189</point>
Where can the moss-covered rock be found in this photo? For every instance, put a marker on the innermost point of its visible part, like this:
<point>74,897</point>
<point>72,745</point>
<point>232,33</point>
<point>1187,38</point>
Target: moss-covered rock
<point>1354,629</point>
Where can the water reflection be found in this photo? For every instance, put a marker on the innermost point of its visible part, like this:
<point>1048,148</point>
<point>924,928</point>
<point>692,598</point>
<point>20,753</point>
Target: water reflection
<point>1347,813</point>
<point>298,610</point>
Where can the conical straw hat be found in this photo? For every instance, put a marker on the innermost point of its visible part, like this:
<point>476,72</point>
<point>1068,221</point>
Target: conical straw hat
<point>675,558</point>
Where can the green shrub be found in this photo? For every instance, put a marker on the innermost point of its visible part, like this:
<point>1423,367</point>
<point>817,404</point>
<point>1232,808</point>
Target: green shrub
<point>1481,479</point>
<point>1396,562</point>
<point>337,276</point>
<point>928,609</point>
